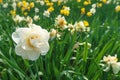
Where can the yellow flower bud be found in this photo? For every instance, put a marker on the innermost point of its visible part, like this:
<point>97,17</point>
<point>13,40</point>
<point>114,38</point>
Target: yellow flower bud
<point>86,23</point>
<point>89,14</point>
<point>83,11</point>
<point>31,4</point>
<point>13,12</point>
<point>28,8</point>
<point>66,12</point>
<point>86,3</point>
<point>49,4</point>
<point>50,9</point>
<point>46,1</point>
<point>104,1</point>
<point>1,1</point>
<point>59,2</point>
<point>22,9</point>
<point>117,9</point>
<point>62,11</point>
<point>19,4</point>
<point>24,4</point>
<point>99,5</point>
<point>78,0</point>
<point>25,13</point>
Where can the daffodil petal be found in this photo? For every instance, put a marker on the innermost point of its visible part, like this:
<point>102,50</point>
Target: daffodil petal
<point>27,54</point>
<point>44,47</point>
<point>16,37</point>
<point>116,67</point>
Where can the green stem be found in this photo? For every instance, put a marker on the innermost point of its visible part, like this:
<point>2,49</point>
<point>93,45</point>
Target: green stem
<point>36,70</point>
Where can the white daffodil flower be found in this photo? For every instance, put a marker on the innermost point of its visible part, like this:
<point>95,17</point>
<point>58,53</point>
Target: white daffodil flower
<point>111,61</point>
<point>46,13</point>
<point>79,26</point>
<point>31,42</point>
<point>60,22</point>
<point>18,18</point>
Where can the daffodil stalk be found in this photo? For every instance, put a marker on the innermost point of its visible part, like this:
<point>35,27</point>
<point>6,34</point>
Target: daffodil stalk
<point>36,67</point>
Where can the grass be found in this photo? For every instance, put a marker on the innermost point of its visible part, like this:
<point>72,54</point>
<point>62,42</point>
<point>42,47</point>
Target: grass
<point>59,64</point>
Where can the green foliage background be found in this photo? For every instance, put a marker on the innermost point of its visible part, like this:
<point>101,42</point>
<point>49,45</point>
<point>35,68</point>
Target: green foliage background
<point>57,64</point>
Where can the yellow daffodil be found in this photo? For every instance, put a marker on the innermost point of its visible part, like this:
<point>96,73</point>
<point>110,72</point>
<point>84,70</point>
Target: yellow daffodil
<point>82,10</point>
<point>19,4</point>
<point>117,8</point>
<point>89,14</point>
<point>22,9</point>
<point>25,13</point>
<point>31,4</point>
<point>13,12</point>
<point>65,10</point>
<point>50,9</point>
<point>78,0</point>
<point>86,3</point>
<point>59,2</point>
<point>99,5</point>
<point>104,1</point>
<point>28,8</point>
<point>86,23</point>
<point>49,4</point>
<point>1,1</point>
<point>24,4</point>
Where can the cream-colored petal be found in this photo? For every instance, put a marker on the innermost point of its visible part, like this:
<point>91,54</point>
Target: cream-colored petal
<point>35,42</point>
<point>116,67</point>
<point>33,55</point>
<point>23,32</point>
<point>21,52</point>
<point>15,37</point>
<point>20,34</point>
<point>25,45</point>
<point>45,34</point>
<point>44,47</point>
<point>27,54</point>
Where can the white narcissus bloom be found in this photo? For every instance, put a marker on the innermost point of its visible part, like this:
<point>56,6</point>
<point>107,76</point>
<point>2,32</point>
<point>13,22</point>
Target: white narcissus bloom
<point>14,5</point>
<point>18,18</point>
<point>70,27</point>
<point>36,17</point>
<point>31,42</point>
<point>60,22</point>
<point>93,10</point>
<point>93,5</point>
<point>5,5</point>
<point>79,26</point>
<point>41,2</point>
<point>108,1</point>
<point>54,0</point>
<point>53,33</point>
<point>36,10</point>
<point>46,13</point>
<point>111,61</point>
<point>29,20</point>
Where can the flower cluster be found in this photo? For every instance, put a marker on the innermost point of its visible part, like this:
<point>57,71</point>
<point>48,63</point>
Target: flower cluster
<point>65,11</point>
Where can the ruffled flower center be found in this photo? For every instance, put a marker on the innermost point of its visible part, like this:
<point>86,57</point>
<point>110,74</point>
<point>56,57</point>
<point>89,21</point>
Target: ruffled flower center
<point>33,40</point>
